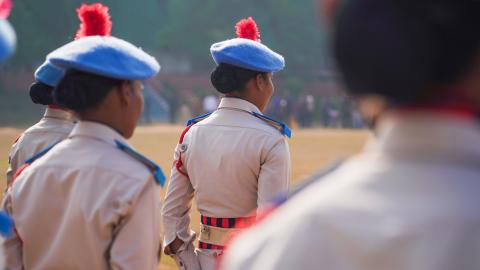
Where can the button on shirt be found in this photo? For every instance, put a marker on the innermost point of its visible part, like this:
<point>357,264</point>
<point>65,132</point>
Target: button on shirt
<point>409,202</point>
<point>85,205</point>
<point>235,163</point>
<point>54,126</point>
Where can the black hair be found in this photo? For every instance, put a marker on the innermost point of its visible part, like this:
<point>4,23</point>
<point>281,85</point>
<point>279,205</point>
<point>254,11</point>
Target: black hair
<point>227,78</point>
<point>79,91</point>
<point>402,49</point>
<point>41,93</point>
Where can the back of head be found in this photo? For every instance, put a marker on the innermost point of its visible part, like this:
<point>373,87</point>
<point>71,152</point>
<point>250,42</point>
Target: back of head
<point>47,77</point>
<point>227,78</point>
<point>402,49</point>
<point>80,91</point>
<point>41,93</point>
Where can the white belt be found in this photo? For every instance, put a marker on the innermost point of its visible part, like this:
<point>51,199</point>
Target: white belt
<point>215,235</point>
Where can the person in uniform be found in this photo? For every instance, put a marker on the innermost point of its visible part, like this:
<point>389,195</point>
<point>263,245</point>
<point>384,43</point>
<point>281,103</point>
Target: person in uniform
<point>410,200</point>
<point>91,201</point>
<point>232,161</point>
<point>56,123</point>
<point>54,126</point>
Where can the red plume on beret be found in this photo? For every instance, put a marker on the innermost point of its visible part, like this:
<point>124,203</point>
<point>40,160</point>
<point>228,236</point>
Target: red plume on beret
<point>5,8</point>
<point>94,20</point>
<point>247,28</point>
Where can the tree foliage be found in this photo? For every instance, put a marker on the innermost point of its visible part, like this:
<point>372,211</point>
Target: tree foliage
<point>180,28</point>
<point>290,27</point>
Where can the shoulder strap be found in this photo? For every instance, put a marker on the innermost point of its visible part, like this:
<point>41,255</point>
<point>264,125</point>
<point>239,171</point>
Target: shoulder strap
<point>152,166</point>
<point>197,119</point>
<point>42,153</point>
<point>282,127</point>
<point>29,161</point>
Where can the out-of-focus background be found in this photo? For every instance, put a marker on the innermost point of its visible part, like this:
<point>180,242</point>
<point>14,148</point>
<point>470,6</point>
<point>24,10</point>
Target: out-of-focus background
<point>179,33</point>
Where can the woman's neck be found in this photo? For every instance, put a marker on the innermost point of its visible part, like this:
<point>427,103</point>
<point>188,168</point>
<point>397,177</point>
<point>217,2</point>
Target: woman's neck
<point>246,97</point>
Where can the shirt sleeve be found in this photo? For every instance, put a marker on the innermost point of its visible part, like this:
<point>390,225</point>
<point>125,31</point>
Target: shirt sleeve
<point>177,205</point>
<point>14,163</point>
<point>136,241</point>
<point>275,173</point>
<point>12,246</point>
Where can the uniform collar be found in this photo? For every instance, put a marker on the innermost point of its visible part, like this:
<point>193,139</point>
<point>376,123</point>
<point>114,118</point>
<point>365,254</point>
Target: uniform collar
<point>58,114</point>
<point>97,131</point>
<point>238,103</point>
<point>428,136</point>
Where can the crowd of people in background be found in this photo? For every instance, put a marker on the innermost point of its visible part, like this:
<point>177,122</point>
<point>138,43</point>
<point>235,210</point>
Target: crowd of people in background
<point>303,111</point>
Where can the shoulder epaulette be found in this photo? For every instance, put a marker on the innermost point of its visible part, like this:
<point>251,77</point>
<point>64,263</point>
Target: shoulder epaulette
<point>197,119</point>
<point>282,127</point>
<point>29,161</point>
<point>152,166</point>
<point>41,153</point>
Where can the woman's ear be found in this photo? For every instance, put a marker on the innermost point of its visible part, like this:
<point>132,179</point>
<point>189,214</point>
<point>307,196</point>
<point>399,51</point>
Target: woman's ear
<point>260,81</point>
<point>125,92</point>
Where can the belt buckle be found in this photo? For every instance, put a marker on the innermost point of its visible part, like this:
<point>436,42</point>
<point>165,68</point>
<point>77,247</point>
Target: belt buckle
<point>205,231</point>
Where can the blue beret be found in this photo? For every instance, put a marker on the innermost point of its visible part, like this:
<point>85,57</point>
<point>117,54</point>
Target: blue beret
<point>248,54</point>
<point>106,56</point>
<point>8,40</point>
<point>49,74</point>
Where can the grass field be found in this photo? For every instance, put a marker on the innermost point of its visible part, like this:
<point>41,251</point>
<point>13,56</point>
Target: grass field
<point>310,150</point>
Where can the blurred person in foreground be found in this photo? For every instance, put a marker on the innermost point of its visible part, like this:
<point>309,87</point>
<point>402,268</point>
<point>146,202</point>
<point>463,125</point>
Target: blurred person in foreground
<point>231,161</point>
<point>56,123</point>
<point>91,201</point>
<point>410,200</point>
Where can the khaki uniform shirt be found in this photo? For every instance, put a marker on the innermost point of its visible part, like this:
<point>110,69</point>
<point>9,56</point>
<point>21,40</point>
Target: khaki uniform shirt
<point>54,126</point>
<point>409,202</point>
<point>85,205</point>
<point>235,161</point>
